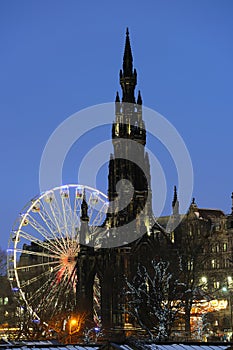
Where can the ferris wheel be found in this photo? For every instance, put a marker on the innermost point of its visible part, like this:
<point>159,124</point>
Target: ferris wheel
<point>44,245</point>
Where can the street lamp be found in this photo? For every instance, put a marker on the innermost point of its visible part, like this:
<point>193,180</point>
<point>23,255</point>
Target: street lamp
<point>72,323</point>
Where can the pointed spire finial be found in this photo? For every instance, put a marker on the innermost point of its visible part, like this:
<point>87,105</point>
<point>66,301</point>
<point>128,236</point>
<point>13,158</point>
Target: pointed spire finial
<point>117,97</point>
<point>175,202</point>
<point>139,100</point>
<point>128,75</point>
<point>128,57</point>
<point>193,206</point>
<point>174,197</point>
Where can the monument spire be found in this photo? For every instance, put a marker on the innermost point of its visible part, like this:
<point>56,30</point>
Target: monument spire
<point>128,57</point>
<point>175,202</point>
<point>128,76</point>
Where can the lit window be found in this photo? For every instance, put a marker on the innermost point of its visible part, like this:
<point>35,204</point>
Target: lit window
<point>190,265</point>
<point>216,285</point>
<point>172,237</point>
<point>225,247</point>
<point>213,264</point>
<point>215,248</point>
<point>147,285</point>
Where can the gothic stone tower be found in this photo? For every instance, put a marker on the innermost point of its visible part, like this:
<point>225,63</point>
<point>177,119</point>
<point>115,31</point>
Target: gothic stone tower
<point>129,167</point>
<point>129,164</point>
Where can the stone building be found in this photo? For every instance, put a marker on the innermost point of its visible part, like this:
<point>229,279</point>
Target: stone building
<point>204,241</point>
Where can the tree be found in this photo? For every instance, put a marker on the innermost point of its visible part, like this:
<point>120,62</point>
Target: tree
<point>193,239</point>
<point>154,299</point>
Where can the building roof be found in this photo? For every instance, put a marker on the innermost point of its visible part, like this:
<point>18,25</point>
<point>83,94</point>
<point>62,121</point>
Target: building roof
<point>187,347</point>
<point>210,213</point>
<point>112,346</point>
<point>174,346</point>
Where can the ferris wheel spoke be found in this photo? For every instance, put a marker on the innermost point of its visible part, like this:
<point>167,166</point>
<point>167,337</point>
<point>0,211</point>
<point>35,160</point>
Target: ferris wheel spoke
<point>65,219</point>
<point>44,233</point>
<point>42,289</point>
<point>56,205</point>
<point>39,228</point>
<point>99,217</point>
<point>90,207</point>
<point>52,228</point>
<point>72,219</point>
<point>64,293</point>
<point>64,282</point>
<point>39,254</point>
<point>35,279</point>
<point>50,278</point>
<point>18,268</point>
<point>77,210</point>
<point>66,205</point>
<point>70,214</point>
<point>53,294</point>
<point>46,217</point>
<point>74,223</point>
<point>45,304</point>
<point>52,212</point>
<point>46,246</point>
<point>57,216</point>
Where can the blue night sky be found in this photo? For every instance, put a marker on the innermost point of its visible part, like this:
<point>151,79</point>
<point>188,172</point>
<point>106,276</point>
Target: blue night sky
<point>58,57</point>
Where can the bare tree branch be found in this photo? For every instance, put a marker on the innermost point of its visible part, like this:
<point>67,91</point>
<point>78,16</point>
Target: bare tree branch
<point>154,299</point>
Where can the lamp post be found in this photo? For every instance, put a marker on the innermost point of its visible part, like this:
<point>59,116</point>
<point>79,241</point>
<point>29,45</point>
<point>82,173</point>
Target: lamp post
<point>72,323</point>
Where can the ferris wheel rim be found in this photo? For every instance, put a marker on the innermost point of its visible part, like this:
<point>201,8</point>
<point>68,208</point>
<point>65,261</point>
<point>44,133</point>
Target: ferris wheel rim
<point>35,199</point>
